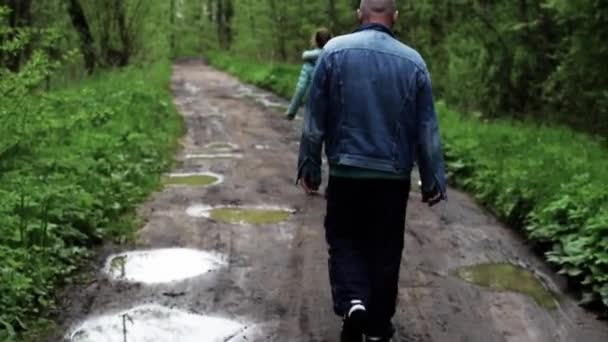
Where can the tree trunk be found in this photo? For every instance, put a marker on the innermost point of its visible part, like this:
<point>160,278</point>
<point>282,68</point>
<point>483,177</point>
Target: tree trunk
<point>19,17</point>
<point>332,15</point>
<point>87,44</point>
<point>228,15</point>
<point>219,18</point>
<point>523,78</point>
<point>278,29</point>
<point>210,7</point>
<point>172,26</point>
<point>2,37</point>
<point>124,33</point>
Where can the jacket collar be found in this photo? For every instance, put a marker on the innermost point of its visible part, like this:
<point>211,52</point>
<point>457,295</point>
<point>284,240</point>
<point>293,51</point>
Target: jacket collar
<point>377,27</point>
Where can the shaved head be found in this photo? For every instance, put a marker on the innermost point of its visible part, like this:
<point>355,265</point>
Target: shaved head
<point>378,11</point>
<point>387,7</point>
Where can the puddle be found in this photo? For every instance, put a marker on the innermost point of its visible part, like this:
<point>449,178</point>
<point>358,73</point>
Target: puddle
<point>156,323</point>
<point>209,111</point>
<point>270,104</point>
<point>221,146</point>
<point>191,88</point>
<point>194,179</point>
<point>212,113</point>
<point>242,214</point>
<point>244,91</point>
<point>260,97</point>
<point>251,216</point>
<point>264,147</point>
<point>508,277</point>
<point>215,156</point>
<point>160,265</point>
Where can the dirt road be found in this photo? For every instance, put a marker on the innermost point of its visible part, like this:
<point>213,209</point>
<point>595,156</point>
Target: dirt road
<point>270,280</point>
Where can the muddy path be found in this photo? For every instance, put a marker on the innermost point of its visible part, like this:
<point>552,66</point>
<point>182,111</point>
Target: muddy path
<point>268,282</point>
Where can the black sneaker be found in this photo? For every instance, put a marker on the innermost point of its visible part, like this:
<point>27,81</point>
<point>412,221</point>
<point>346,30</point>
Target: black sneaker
<point>380,333</point>
<point>354,323</point>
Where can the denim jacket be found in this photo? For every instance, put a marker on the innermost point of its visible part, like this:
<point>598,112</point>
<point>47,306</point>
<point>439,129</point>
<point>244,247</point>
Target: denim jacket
<point>310,59</point>
<point>371,104</point>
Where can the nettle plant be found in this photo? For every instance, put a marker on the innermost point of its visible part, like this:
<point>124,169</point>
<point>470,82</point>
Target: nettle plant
<point>26,65</point>
<point>504,165</point>
<point>25,197</point>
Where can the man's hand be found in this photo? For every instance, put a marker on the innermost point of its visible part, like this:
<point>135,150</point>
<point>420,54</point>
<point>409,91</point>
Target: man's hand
<point>432,197</point>
<point>310,179</point>
<point>308,188</point>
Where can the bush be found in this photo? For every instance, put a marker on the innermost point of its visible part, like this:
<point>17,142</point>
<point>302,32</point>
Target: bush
<point>73,166</point>
<point>548,181</point>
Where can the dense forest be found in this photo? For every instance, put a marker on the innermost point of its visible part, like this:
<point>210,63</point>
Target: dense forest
<point>87,126</point>
<point>529,59</point>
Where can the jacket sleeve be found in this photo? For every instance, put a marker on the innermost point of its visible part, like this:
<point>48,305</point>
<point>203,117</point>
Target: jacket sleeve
<point>429,154</point>
<point>302,86</point>
<point>315,124</point>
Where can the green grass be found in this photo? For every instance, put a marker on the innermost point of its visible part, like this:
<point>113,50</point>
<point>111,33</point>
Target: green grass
<point>550,182</point>
<point>73,165</point>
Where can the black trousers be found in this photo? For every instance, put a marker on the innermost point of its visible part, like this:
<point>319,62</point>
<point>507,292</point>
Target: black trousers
<point>364,227</point>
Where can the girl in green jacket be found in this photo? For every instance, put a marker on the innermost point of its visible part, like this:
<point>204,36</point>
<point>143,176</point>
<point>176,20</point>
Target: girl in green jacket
<point>318,41</point>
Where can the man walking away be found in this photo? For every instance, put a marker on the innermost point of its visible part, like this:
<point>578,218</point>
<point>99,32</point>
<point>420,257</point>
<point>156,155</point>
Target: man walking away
<point>371,104</point>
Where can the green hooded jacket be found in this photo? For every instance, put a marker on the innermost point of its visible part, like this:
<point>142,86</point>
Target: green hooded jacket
<point>310,60</point>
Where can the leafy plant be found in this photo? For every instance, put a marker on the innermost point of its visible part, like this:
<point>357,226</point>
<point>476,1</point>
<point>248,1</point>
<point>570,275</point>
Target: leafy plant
<point>554,191</point>
<point>73,168</point>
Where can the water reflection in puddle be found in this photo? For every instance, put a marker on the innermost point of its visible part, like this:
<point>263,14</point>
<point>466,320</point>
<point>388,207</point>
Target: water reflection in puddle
<point>150,323</point>
<point>161,265</point>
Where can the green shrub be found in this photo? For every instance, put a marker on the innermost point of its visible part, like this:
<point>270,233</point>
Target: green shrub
<point>548,181</point>
<point>73,166</point>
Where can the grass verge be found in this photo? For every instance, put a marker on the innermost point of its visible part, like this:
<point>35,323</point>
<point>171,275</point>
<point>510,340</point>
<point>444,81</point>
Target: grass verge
<point>73,166</point>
